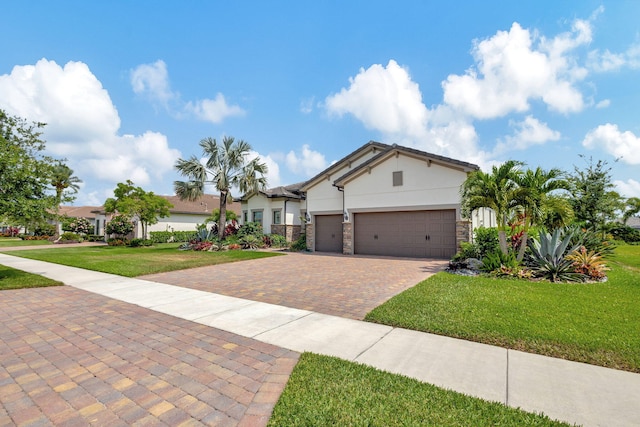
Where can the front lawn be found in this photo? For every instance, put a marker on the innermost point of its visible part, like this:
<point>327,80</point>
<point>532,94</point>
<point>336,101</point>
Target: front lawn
<point>327,391</point>
<point>16,279</point>
<point>132,262</point>
<point>15,241</point>
<point>597,323</point>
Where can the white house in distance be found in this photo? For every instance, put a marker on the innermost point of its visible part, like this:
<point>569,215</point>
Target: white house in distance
<point>381,200</point>
<point>277,209</point>
<point>184,215</point>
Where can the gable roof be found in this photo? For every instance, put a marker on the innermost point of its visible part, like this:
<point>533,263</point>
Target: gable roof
<point>79,211</point>
<point>396,149</point>
<point>366,148</point>
<point>291,191</point>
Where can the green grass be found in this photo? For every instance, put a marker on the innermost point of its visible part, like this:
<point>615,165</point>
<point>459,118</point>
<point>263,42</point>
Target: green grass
<point>132,262</point>
<point>326,391</point>
<point>14,241</point>
<point>16,279</point>
<point>597,323</point>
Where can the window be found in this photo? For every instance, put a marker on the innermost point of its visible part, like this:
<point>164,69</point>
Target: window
<point>257,217</point>
<point>277,216</point>
<point>397,179</point>
<point>245,217</point>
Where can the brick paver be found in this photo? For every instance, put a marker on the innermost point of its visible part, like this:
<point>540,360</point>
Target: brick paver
<point>345,286</point>
<point>69,357</point>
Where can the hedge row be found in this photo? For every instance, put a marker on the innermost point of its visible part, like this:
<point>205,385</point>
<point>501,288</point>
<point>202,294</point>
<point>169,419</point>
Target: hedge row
<point>171,236</point>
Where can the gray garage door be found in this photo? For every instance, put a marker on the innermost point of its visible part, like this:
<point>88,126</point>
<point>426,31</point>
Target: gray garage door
<point>419,234</point>
<point>328,233</point>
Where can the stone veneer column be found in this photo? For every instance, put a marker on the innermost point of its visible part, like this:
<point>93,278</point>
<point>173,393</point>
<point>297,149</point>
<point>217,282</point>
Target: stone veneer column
<point>463,232</point>
<point>347,238</point>
<point>310,234</point>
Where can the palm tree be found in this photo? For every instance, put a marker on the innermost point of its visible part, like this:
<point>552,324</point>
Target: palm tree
<point>65,184</point>
<point>535,198</point>
<point>226,167</point>
<point>633,208</point>
<point>496,190</point>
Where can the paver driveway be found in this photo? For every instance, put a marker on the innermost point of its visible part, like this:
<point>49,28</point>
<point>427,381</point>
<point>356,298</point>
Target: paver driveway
<point>345,286</point>
<point>70,357</point>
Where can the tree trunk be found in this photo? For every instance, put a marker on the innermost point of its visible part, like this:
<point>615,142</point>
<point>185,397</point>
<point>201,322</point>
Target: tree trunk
<point>523,246</point>
<point>502,238</point>
<point>222,221</point>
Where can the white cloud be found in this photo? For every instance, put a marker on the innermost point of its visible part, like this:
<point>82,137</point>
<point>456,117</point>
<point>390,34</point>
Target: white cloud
<point>83,125</point>
<point>526,133</point>
<point>273,169</point>
<point>516,66</point>
<point>623,145</point>
<point>382,98</point>
<point>214,110</point>
<point>605,61</point>
<point>306,105</point>
<point>603,104</point>
<point>308,163</point>
<point>628,188</point>
<point>71,100</point>
<point>152,80</point>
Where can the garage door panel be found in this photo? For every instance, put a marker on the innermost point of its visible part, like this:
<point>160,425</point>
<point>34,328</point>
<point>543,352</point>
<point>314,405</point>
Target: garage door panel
<point>328,233</point>
<point>417,234</point>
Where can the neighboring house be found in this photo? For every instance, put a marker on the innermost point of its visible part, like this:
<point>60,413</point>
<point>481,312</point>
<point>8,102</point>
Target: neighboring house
<point>276,209</point>
<point>381,200</point>
<point>86,212</point>
<point>634,222</point>
<point>184,215</point>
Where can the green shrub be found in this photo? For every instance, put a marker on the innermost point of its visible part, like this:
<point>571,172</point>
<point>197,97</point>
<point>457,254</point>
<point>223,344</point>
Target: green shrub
<point>134,243</point>
<point>300,244</point>
<point>172,236</point>
<point>467,250</point>
<point>119,225</point>
<point>183,236</point>
<point>275,241</point>
<point>250,242</point>
<point>495,260</point>
<point>44,230</point>
<point>69,236</point>
<point>486,240</point>
<point>591,240</point>
<point>117,242</point>
<point>94,238</point>
<point>623,232</point>
<point>250,229</point>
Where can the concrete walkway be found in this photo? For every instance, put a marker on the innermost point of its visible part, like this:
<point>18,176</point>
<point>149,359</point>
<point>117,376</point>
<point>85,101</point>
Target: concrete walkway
<point>568,391</point>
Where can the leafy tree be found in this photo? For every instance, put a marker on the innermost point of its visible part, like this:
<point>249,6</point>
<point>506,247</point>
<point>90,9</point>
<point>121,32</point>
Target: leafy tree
<point>25,173</point>
<point>592,199</point>
<point>496,190</point>
<point>632,208</point>
<point>133,201</point>
<point>226,167</point>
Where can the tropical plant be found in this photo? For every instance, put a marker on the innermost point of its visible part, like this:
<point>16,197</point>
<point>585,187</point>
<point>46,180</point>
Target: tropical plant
<point>250,242</point>
<point>548,257</point>
<point>533,198</point>
<point>300,244</point>
<point>496,260</point>
<point>226,166</point>
<point>591,240</point>
<point>496,190</point>
<point>250,229</point>
<point>588,263</point>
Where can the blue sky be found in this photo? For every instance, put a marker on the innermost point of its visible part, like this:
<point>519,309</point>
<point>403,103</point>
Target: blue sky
<point>128,87</point>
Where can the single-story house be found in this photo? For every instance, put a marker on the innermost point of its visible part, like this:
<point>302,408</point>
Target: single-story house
<point>381,200</point>
<point>184,215</point>
<point>86,212</point>
<point>276,209</point>
<point>634,222</point>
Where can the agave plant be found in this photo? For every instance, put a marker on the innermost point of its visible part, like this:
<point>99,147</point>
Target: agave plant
<point>549,257</point>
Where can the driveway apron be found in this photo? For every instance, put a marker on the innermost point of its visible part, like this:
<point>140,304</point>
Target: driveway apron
<point>70,357</point>
<point>344,286</point>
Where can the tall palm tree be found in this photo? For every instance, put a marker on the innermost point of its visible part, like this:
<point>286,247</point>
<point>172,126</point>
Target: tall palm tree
<point>496,190</point>
<point>535,198</point>
<point>226,167</point>
<point>65,184</point>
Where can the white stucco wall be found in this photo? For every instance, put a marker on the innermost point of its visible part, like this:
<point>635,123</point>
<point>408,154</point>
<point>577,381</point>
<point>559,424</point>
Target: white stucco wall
<point>423,186</point>
<point>324,197</point>
<point>261,202</point>
<point>177,222</point>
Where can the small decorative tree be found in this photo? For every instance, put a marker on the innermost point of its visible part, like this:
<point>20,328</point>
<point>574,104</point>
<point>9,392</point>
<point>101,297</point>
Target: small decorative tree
<point>120,225</point>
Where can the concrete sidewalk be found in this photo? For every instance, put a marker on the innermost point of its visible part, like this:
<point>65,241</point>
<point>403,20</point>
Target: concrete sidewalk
<point>568,391</point>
